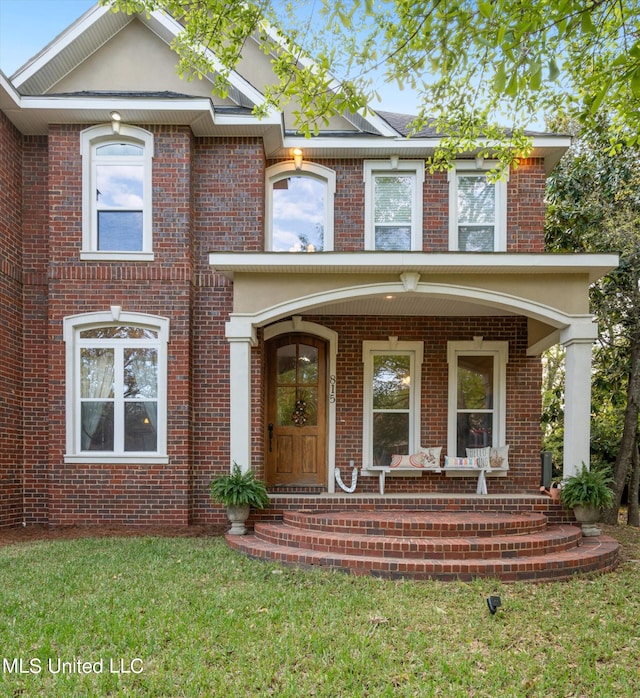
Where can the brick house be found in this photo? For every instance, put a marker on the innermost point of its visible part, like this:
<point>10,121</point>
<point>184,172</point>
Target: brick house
<point>185,285</point>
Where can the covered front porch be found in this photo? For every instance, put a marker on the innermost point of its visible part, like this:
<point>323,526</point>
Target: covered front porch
<point>434,308</point>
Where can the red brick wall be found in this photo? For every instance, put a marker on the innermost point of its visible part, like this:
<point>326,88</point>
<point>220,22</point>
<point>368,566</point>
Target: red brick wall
<point>122,493</point>
<point>525,207</point>
<point>229,215</point>
<point>208,195</point>
<point>11,434</point>
<point>523,394</point>
<point>37,413</point>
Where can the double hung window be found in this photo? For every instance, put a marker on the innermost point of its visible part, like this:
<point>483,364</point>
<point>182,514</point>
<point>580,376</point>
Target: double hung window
<point>393,206</point>
<point>477,210</point>
<point>391,399</point>
<point>117,193</point>
<point>477,377</point>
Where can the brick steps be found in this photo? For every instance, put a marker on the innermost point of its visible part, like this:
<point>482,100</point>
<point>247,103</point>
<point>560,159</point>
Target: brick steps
<point>430,545</point>
<point>554,540</point>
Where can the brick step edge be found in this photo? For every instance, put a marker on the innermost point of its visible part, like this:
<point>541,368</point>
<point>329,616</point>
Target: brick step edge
<point>596,555</point>
<point>418,523</point>
<point>553,539</point>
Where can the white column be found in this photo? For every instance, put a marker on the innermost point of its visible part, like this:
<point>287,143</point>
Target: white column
<point>241,338</point>
<point>577,398</point>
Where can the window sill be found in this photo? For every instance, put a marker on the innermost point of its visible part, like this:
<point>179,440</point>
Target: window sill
<point>129,458</point>
<point>117,256</point>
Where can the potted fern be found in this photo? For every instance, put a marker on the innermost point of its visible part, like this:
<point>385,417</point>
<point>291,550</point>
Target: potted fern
<point>239,492</point>
<point>587,493</point>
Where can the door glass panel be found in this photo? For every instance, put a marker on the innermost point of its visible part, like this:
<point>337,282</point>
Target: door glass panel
<point>287,364</point>
<point>308,365</point>
<point>286,404</point>
<point>306,408</point>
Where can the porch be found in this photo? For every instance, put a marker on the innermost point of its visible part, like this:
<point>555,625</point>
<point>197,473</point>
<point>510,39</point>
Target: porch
<point>428,536</point>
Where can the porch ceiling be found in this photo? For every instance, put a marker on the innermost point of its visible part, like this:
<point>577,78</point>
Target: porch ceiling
<point>408,305</point>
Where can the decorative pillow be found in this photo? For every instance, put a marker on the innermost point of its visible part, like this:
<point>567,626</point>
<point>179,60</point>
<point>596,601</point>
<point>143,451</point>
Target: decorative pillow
<point>399,462</point>
<point>426,458</point>
<point>490,457</point>
<point>499,457</point>
<point>482,454</point>
<point>453,462</point>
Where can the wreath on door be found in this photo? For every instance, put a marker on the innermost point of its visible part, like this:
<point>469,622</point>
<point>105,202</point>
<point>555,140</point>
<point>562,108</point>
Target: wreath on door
<point>300,415</point>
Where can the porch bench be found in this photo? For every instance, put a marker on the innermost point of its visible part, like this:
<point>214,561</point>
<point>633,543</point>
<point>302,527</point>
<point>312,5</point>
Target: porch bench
<point>477,463</point>
<point>424,460</point>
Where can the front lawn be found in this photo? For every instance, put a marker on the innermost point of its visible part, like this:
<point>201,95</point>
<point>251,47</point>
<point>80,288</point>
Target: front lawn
<point>155,616</point>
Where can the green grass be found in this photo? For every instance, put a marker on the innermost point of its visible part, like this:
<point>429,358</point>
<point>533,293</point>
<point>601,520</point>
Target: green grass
<point>204,621</point>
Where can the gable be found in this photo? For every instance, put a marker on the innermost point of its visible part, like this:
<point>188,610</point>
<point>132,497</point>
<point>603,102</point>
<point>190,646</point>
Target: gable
<point>110,68</point>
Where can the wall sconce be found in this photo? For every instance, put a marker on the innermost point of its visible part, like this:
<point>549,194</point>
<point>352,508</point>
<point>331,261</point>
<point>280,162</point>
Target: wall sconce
<point>479,162</point>
<point>395,159</point>
<point>297,158</point>
<point>115,121</point>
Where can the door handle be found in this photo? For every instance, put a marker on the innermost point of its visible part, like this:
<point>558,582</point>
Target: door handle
<point>270,428</point>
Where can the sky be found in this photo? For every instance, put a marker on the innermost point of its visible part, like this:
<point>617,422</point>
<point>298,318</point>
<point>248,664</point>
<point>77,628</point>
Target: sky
<point>27,26</point>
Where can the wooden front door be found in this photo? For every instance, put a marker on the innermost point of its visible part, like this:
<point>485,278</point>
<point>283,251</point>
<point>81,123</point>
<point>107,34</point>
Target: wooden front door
<point>296,419</point>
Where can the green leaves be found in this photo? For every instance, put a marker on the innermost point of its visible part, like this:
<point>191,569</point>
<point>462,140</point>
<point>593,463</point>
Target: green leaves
<point>509,61</point>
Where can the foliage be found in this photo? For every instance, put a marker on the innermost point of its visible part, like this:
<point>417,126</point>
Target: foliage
<point>208,622</point>
<point>239,489</point>
<point>474,63</point>
<point>594,206</point>
<point>590,487</point>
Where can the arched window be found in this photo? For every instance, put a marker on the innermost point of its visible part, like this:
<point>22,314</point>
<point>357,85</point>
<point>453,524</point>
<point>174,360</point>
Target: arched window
<point>116,216</point>
<point>116,387</point>
<point>299,207</point>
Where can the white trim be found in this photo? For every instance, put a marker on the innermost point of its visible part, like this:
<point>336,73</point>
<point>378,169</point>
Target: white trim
<point>500,217</point>
<point>72,326</point>
<point>91,138</point>
<point>593,266</point>
<point>372,168</point>
<point>283,170</point>
<point>415,350</point>
<point>478,347</point>
<point>331,337</point>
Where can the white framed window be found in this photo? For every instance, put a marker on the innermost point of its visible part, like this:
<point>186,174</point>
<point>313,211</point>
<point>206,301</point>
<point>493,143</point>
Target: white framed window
<point>116,181</point>
<point>391,424</point>
<point>116,387</point>
<point>393,204</point>
<point>477,395</point>
<point>299,207</point>
<point>477,209</point>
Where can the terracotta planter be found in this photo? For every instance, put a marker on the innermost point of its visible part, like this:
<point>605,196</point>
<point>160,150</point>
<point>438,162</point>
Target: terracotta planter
<point>587,517</point>
<point>238,516</point>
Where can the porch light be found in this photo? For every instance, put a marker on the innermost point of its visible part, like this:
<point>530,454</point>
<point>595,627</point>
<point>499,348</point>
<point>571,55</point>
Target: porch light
<point>115,121</point>
<point>297,158</point>
<point>394,159</point>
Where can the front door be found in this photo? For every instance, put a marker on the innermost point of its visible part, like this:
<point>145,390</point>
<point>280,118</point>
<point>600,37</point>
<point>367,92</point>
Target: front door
<point>296,420</point>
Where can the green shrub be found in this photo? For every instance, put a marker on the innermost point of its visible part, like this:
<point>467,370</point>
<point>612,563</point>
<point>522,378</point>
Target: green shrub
<point>587,488</point>
<point>239,489</point>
